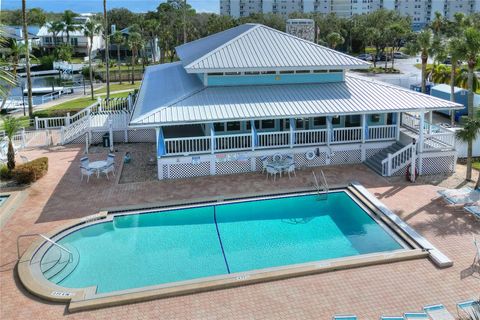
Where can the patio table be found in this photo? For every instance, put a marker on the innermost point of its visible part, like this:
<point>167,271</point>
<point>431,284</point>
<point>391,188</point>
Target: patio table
<point>280,165</point>
<point>97,166</point>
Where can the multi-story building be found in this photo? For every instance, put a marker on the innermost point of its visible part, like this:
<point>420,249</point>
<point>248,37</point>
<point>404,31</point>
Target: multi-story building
<point>421,11</point>
<point>302,28</point>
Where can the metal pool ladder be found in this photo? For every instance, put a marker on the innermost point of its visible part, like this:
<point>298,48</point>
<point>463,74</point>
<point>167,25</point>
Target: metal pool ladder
<point>323,187</point>
<point>45,238</point>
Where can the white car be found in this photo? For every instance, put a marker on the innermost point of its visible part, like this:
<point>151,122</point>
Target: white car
<point>400,55</point>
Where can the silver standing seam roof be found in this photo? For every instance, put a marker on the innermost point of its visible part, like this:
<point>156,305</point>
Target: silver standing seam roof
<point>255,47</point>
<point>170,96</point>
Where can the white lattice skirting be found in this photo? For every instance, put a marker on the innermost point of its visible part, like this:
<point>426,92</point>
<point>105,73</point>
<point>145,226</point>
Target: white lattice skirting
<point>249,161</point>
<point>431,163</point>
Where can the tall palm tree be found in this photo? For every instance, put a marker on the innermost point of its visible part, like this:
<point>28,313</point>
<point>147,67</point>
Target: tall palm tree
<point>468,134</point>
<point>27,59</point>
<point>107,49</point>
<point>6,77</point>
<point>90,30</point>
<point>454,49</point>
<point>55,27</point>
<point>16,51</point>
<point>11,125</point>
<point>334,39</point>
<point>423,44</point>
<point>69,24</point>
<point>135,43</point>
<point>118,40</point>
<point>471,38</point>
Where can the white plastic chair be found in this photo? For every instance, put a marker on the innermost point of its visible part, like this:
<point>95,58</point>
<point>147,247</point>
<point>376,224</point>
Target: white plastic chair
<point>85,162</point>
<point>110,166</point>
<point>272,171</point>
<point>277,157</point>
<point>85,171</point>
<point>290,169</point>
<point>264,163</point>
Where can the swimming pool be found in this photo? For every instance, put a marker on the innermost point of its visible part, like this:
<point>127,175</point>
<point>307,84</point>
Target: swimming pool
<point>169,246</point>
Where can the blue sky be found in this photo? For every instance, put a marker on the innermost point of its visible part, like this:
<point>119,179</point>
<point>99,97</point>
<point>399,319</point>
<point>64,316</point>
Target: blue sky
<point>81,6</point>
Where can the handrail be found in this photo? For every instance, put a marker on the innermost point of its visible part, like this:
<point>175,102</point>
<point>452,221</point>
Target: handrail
<point>317,185</point>
<point>325,181</point>
<point>45,238</point>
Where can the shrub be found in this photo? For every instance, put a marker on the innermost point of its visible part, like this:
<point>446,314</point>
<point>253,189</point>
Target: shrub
<point>54,113</point>
<point>5,174</point>
<point>31,171</point>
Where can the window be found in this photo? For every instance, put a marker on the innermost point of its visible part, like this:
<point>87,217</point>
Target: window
<point>268,124</point>
<point>48,39</point>
<point>233,126</point>
<point>375,118</point>
<point>352,121</point>
<point>302,71</point>
<point>336,120</point>
<point>215,74</point>
<point>319,121</point>
<point>74,41</point>
<point>319,71</point>
<point>219,126</point>
<point>286,72</point>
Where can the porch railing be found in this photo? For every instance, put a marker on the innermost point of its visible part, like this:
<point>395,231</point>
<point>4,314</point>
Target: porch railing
<point>342,135</point>
<point>435,137</point>
<point>310,137</point>
<point>273,139</point>
<point>190,145</point>
<point>382,132</point>
<point>233,142</point>
<point>398,160</point>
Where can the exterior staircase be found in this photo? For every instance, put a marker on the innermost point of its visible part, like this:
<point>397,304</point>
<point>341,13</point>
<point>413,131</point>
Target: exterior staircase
<point>375,162</point>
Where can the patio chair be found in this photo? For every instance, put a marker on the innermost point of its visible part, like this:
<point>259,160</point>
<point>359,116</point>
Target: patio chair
<point>85,171</point>
<point>474,210</point>
<point>110,166</point>
<point>272,171</point>
<point>345,317</point>
<point>453,192</point>
<point>438,312</point>
<point>277,157</point>
<point>462,199</point>
<point>85,162</point>
<point>415,315</point>
<point>264,161</point>
<point>469,308</point>
<point>290,169</point>
<point>476,259</point>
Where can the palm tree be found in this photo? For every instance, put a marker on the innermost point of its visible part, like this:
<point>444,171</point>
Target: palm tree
<point>454,49</point>
<point>6,77</point>
<point>107,50</point>
<point>55,28</point>
<point>90,29</point>
<point>135,43</point>
<point>439,73</point>
<point>471,47</point>
<point>69,24</point>
<point>11,125</point>
<point>424,44</point>
<point>151,27</point>
<point>334,39</point>
<point>468,134</point>
<point>118,40</point>
<point>16,51</point>
<point>461,79</point>
<point>27,59</point>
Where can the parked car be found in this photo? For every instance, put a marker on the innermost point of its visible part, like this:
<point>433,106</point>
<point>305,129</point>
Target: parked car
<point>384,57</point>
<point>448,60</point>
<point>400,55</point>
<point>365,57</point>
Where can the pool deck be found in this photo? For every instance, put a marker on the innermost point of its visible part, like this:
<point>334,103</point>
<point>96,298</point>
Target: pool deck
<point>368,292</point>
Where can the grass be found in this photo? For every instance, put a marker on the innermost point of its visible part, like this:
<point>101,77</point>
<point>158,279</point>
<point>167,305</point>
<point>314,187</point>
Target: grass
<point>80,103</point>
<point>476,165</point>
<point>118,87</point>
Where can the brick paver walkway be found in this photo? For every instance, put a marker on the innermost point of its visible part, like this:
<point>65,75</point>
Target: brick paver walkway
<point>368,292</point>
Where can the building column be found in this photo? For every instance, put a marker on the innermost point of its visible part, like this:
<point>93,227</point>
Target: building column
<point>397,122</point>
<point>212,138</point>
<point>430,121</point>
<point>254,134</point>
<point>292,132</point>
<point>421,131</point>
<point>329,130</point>
<point>364,128</point>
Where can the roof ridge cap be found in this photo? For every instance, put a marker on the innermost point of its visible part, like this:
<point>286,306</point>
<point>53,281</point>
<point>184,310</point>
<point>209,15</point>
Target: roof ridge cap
<point>255,26</point>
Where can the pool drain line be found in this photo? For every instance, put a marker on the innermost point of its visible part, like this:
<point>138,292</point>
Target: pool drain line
<point>219,238</point>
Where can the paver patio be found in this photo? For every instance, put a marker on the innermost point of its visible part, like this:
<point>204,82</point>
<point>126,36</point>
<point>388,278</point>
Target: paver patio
<point>368,292</point>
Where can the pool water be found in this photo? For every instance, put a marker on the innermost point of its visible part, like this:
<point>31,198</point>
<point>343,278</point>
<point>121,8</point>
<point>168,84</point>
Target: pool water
<point>141,250</point>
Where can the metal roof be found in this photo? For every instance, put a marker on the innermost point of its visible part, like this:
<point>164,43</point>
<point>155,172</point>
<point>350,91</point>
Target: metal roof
<point>356,95</point>
<point>255,47</point>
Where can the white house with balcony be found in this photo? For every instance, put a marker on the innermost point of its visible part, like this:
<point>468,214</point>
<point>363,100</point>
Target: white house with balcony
<point>79,42</point>
<point>253,91</point>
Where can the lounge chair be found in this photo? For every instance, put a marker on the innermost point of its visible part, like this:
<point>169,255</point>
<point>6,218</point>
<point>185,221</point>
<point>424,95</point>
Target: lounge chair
<point>462,199</point>
<point>345,317</point>
<point>391,318</point>
<point>474,210</point>
<point>415,315</point>
<point>453,192</point>
<point>469,308</point>
<point>476,260</point>
<point>438,312</point>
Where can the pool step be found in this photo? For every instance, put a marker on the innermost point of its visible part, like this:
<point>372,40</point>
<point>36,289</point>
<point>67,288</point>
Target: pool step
<point>64,265</point>
<point>68,268</point>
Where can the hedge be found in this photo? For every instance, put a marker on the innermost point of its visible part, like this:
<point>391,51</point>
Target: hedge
<point>31,171</point>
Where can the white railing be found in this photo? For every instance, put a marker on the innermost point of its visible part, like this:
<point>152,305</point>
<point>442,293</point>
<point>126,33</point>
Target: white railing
<point>398,160</point>
<point>23,139</point>
<point>436,141</point>
<point>410,121</point>
<point>51,123</point>
<point>341,135</point>
<point>387,132</point>
<point>233,142</point>
<point>74,130</point>
<point>310,137</point>
<point>190,145</point>
<point>273,139</point>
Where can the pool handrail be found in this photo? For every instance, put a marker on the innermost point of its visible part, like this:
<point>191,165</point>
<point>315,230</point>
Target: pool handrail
<point>45,238</point>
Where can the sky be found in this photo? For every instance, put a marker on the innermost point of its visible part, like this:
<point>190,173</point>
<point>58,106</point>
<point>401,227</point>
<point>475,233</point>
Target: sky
<point>82,6</point>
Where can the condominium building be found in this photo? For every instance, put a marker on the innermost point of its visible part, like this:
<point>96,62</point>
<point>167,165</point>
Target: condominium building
<point>421,11</point>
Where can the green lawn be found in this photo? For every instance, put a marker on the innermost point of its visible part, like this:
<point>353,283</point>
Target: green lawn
<point>118,87</point>
<point>123,68</point>
<point>476,165</point>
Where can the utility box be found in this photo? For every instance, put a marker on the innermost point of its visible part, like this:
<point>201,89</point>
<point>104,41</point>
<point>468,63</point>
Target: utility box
<point>106,140</point>
<point>418,88</point>
<point>461,96</point>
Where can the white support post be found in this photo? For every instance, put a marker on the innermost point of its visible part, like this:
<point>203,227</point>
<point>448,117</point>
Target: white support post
<point>36,123</point>
<point>397,132</point>
<point>126,127</point>
<point>421,131</point>
<point>62,135</point>
<point>292,132</point>
<point>212,138</point>
<point>414,162</point>
<point>67,119</point>
<point>252,128</point>
<point>389,169</point>
<point>364,127</point>
<point>99,101</point>
<point>329,130</point>
<point>157,133</point>
<point>430,121</point>
<point>24,139</point>
<point>110,133</point>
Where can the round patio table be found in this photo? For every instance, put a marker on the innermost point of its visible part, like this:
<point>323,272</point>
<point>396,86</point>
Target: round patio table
<point>97,166</point>
<point>281,165</point>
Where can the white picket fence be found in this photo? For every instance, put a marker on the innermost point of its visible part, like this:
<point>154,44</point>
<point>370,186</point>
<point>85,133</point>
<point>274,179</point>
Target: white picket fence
<point>29,139</point>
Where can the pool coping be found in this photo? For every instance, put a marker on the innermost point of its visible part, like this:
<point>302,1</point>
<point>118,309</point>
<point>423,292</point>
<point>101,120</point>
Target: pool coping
<point>86,298</point>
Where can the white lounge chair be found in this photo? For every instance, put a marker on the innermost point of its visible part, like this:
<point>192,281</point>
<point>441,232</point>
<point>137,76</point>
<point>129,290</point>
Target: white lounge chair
<point>345,317</point>
<point>438,312</point>
<point>476,260</point>
<point>277,157</point>
<point>469,308</point>
<point>474,210</point>
<point>272,171</point>
<point>415,315</point>
<point>462,199</point>
<point>454,192</point>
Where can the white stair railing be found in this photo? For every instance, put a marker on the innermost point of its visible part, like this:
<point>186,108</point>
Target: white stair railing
<point>398,160</point>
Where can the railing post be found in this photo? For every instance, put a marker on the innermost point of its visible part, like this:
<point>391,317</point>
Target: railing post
<point>329,130</point>
<point>397,128</point>
<point>36,123</point>
<point>99,101</point>
<point>23,138</point>
<point>252,127</point>
<point>67,119</point>
<point>62,135</point>
<point>364,128</point>
<point>421,131</point>
<point>389,168</point>
<point>292,132</point>
<point>212,139</point>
